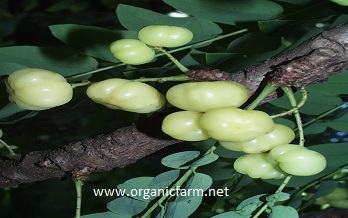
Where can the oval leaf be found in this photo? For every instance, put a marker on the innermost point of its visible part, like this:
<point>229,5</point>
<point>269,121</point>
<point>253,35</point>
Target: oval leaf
<point>229,12</point>
<point>165,179</point>
<point>283,211</point>
<point>178,159</point>
<point>206,159</point>
<point>126,206</point>
<point>64,61</point>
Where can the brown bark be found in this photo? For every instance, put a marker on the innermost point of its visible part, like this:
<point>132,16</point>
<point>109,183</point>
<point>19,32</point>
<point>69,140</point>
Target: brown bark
<point>312,62</point>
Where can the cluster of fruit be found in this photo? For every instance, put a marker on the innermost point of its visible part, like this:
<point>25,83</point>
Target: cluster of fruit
<point>211,111</point>
<point>338,198</point>
<point>38,89</point>
<point>133,51</point>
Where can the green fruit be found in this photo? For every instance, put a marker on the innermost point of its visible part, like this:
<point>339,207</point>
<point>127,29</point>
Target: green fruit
<point>126,95</point>
<point>257,166</point>
<point>234,124</point>
<point>203,96</point>
<point>297,160</point>
<point>165,36</point>
<point>132,51</point>
<point>38,89</point>
<point>280,135</point>
<point>184,125</point>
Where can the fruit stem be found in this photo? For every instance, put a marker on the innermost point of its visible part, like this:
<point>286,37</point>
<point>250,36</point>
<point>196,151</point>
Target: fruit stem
<point>78,185</point>
<point>83,83</point>
<point>173,59</point>
<point>290,94</point>
<point>269,88</point>
<point>181,77</point>
<point>12,153</point>
<point>297,107</point>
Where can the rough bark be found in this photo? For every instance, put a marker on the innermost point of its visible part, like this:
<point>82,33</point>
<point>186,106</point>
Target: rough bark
<point>312,62</point>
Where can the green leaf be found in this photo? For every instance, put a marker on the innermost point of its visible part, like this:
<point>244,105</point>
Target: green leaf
<point>285,122</point>
<point>283,211</point>
<point>219,170</point>
<point>315,128</point>
<point>277,27</point>
<point>230,214</point>
<point>184,208</point>
<point>134,18</point>
<point>340,123</point>
<point>249,205</point>
<point>326,187</point>
<point>105,215</point>
<point>206,159</point>
<point>216,58</point>
<point>9,110</point>
<point>126,206</point>
<point>298,2</point>
<point>229,12</point>
<point>90,40</point>
<point>138,188</point>
<point>64,61</point>
<point>281,196</point>
<point>199,181</point>
<point>177,160</point>
<point>165,179</point>
<point>30,114</point>
<point>8,68</point>
<point>249,44</point>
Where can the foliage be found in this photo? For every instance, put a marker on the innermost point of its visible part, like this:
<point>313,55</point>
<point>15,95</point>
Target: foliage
<point>227,35</point>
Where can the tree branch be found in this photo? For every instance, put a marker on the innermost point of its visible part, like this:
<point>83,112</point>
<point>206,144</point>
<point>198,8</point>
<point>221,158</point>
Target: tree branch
<point>312,62</point>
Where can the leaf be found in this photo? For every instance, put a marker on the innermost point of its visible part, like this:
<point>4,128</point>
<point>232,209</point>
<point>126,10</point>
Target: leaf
<point>199,181</point>
<point>277,27</point>
<point>219,170</point>
<point>90,40</point>
<point>283,211</point>
<point>64,61</point>
<point>8,68</point>
<point>177,160</point>
<point>229,12</point>
<point>206,159</point>
<point>326,187</point>
<point>126,206</point>
<point>134,18</point>
<point>316,128</point>
<point>165,179</point>
<point>9,110</point>
<point>138,188</point>
<point>281,196</point>
<point>340,123</point>
<point>184,208</point>
<point>299,2</point>
<point>230,214</point>
<point>249,44</point>
<point>105,215</point>
<point>249,205</point>
<point>26,116</point>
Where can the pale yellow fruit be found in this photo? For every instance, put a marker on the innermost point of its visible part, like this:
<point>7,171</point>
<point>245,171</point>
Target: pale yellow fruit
<point>184,125</point>
<point>203,96</point>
